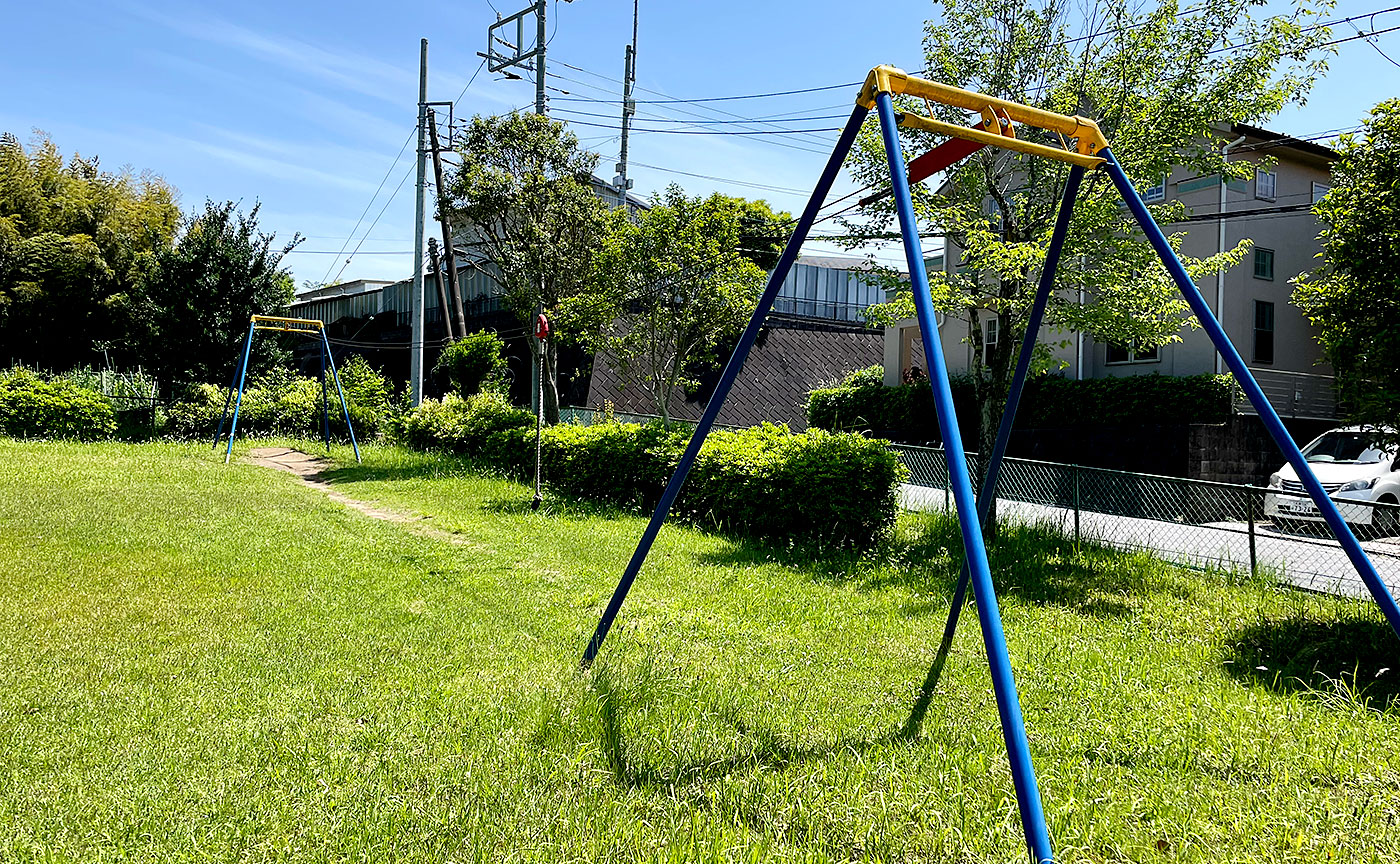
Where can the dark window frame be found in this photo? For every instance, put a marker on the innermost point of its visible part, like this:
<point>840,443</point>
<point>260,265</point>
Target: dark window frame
<point>1259,253</point>
<point>1264,329</point>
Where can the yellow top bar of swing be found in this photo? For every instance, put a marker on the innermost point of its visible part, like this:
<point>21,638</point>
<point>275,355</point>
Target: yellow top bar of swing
<point>286,325</point>
<point>1085,134</point>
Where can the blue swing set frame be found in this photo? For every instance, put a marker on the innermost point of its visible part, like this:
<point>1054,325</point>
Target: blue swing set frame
<point>309,327</point>
<point>1085,149</point>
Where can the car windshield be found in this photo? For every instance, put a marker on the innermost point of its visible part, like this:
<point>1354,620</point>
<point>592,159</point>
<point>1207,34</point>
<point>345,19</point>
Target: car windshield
<point>1353,447</point>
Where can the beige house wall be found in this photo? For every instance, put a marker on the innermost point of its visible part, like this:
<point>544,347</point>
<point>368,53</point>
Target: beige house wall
<point>1290,235</point>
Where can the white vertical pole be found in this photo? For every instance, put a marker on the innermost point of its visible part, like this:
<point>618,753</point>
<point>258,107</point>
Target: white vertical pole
<point>415,351</point>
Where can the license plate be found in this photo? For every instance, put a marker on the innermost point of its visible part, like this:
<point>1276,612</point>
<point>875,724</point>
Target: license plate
<point>1307,507</point>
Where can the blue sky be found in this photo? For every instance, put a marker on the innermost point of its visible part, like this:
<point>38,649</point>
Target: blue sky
<point>303,107</point>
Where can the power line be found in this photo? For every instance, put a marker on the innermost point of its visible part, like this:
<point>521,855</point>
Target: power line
<point>351,236</point>
<point>711,131</point>
<point>704,122</point>
<point>762,186</point>
<point>378,216</point>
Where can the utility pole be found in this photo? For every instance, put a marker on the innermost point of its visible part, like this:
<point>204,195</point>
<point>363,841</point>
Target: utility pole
<point>540,41</point>
<point>441,287</point>
<point>459,317</point>
<point>415,349</point>
<point>629,107</point>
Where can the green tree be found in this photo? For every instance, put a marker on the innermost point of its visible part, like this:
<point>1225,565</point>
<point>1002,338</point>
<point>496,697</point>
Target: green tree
<point>763,231</point>
<point>1354,298</point>
<point>75,241</point>
<point>195,303</point>
<point>522,191</point>
<point>473,363</point>
<point>1161,82</point>
<point>685,284</point>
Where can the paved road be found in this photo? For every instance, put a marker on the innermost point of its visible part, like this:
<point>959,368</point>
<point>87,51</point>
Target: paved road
<point>1308,562</point>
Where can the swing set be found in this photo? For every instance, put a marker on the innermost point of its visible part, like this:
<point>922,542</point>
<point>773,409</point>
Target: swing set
<point>307,327</point>
<point>1084,148</point>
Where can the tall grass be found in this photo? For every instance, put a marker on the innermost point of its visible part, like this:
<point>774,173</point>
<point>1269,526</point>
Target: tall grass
<point>200,661</point>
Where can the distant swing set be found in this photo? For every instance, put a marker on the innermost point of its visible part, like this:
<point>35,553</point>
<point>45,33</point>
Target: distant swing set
<point>1082,146</point>
<point>308,327</point>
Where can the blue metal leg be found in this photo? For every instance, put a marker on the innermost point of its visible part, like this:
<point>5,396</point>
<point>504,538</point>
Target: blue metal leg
<point>344,406</point>
<point>1003,682</point>
<point>1008,417</point>
<point>726,381</point>
<point>240,380</point>
<point>228,400</point>
<point>1251,388</point>
<point>325,406</point>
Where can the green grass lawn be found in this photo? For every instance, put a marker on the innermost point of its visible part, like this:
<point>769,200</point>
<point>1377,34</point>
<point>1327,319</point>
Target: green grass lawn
<point>201,662</point>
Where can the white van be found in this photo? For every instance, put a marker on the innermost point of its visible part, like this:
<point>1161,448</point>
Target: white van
<point>1351,466</point>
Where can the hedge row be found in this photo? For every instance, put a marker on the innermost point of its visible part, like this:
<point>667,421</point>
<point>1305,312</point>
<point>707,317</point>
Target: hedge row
<point>32,406</point>
<point>907,412</point>
<point>815,488</point>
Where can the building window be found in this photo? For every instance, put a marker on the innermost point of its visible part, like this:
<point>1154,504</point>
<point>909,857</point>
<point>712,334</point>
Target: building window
<point>1263,331</point>
<point>1264,264</point>
<point>991,332</point>
<point>1124,354</point>
<point>1319,190</point>
<point>1156,193</point>
<point>1265,185</point>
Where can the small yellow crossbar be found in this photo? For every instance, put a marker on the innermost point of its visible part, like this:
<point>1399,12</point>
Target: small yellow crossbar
<point>286,325</point>
<point>1085,134</point>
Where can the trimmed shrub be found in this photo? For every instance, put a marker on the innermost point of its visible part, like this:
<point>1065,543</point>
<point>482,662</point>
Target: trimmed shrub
<point>462,426</point>
<point>907,412</point>
<point>279,402</point>
<point>31,407</point>
<point>473,363</point>
<point>816,488</point>
<point>827,489</point>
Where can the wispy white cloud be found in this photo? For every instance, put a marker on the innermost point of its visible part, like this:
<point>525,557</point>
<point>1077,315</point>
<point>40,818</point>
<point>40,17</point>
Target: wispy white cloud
<point>284,160</point>
<point>349,70</point>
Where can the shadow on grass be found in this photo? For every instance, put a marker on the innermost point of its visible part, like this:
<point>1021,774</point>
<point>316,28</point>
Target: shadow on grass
<point>1032,563</point>
<point>764,748</point>
<point>1351,661</point>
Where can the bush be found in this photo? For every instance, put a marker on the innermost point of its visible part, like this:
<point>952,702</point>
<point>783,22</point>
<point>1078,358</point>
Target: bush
<point>907,412</point>
<point>31,407</point>
<point>280,402</point>
<point>462,426</point>
<point>904,413</point>
<point>816,488</point>
<point>370,397</point>
<point>473,363</point>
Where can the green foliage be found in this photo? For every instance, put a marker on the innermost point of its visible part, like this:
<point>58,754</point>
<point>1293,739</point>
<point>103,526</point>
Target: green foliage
<point>1354,300</point>
<point>464,426</point>
<point>817,488</point>
<point>762,231</point>
<point>907,412</point>
<point>369,395</point>
<point>1160,81</point>
<point>75,242</point>
<point>280,402</point>
<point>687,290</point>
<point>194,305</point>
<point>522,188</point>
<point>474,363</point>
<point>32,407</point>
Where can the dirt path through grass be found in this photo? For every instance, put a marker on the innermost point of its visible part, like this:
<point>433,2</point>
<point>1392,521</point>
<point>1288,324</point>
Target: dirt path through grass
<point>310,470</point>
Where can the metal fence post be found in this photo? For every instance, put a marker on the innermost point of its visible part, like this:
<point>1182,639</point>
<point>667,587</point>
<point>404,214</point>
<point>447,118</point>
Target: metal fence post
<point>1253,558</point>
<point>1076,502</point>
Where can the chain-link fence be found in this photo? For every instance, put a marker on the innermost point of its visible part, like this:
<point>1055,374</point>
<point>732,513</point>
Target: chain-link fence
<point>1197,523</point>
